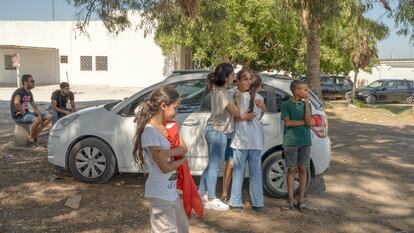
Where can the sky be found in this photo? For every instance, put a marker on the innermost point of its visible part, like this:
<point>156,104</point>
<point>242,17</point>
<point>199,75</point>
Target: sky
<point>393,47</point>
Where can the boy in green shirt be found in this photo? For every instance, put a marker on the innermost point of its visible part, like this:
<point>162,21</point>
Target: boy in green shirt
<point>297,116</point>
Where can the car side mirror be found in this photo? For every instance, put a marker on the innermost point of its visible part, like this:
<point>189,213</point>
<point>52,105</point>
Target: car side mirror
<point>384,88</point>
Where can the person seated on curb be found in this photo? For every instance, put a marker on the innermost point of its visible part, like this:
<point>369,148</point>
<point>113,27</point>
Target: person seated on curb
<point>59,101</point>
<point>19,106</point>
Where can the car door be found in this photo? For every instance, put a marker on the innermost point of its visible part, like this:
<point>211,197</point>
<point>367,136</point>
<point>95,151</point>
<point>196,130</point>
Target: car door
<point>402,90</point>
<point>190,118</point>
<point>387,92</point>
<point>328,86</point>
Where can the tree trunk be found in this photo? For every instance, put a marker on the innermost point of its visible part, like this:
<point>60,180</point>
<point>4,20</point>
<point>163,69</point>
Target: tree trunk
<point>355,83</point>
<point>313,57</point>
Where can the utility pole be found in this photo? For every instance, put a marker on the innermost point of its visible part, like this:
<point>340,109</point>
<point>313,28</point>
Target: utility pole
<point>53,10</point>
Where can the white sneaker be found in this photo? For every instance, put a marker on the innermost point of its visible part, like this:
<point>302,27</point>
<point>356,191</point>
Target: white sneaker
<point>216,204</point>
<point>205,199</point>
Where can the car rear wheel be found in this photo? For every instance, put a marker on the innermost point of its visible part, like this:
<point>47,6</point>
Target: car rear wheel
<point>410,99</point>
<point>92,161</point>
<point>348,96</point>
<point>275,176</point>
<point>371,99</point>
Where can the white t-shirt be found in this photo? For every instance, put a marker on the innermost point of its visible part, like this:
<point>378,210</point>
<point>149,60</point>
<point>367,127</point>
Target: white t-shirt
<point>248,135</point>
<point>159,184</point>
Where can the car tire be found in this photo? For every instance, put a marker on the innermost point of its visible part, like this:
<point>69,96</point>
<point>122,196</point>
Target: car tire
<point>348,96</point>
<point>92,161</point>
<point>371,99</point>
<point>275,174</point>
<point>410,99</point>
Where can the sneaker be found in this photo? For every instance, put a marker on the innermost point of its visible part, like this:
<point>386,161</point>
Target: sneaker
<point>258,209</point>
<point>301,206</point>
<point>236,208</point>
<point>216,204</point>
<point>204,198</point>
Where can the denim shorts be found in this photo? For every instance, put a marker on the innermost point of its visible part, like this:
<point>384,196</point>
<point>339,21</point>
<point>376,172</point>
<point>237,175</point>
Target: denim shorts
<point>297,156</point>
<point>228,155</point>
<point>28,118</point>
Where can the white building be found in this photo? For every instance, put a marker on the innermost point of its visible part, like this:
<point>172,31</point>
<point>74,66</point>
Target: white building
<point>388,69</point>
<point>52,51</point>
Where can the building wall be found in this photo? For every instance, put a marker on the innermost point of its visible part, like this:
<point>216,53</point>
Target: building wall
<point>385,71</point>
<point>40,63</point>
<point>132,59</point>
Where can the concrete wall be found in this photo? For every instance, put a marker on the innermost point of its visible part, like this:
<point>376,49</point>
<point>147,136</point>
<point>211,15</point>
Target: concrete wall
<point>132,59</point>
<point>41,63</point>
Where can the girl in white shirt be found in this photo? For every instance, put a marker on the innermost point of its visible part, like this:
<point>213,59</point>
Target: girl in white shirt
<point>152,149</point>
<point>248,145</point>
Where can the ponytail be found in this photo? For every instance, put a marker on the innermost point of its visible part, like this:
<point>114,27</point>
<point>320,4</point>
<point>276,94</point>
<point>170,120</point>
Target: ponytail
<point>148,109</point>
<point>256,83</point>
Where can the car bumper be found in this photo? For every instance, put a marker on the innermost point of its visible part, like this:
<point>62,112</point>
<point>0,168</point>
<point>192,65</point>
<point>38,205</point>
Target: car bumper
<point>56,151</point>
<point>321,154</point>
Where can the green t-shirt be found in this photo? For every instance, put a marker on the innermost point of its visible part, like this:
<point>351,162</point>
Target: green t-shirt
<point>295,135</point>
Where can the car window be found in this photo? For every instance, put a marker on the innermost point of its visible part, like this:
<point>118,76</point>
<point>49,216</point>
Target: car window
<point>376,84</point>
<point>390,85</point>
<point>328,81</point>
<point>402,85</point>
<point>191,95</point>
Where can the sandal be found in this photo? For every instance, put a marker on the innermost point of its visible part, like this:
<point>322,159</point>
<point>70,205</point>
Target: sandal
<point>288,206</point>
<point>301,206</point>
<point>224,198</point>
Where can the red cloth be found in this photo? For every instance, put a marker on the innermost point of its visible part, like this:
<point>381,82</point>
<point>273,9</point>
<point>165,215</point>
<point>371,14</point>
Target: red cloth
<point>185,182</point>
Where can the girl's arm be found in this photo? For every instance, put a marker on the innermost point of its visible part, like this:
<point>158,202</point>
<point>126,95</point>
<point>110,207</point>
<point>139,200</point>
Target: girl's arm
<point>165,166</point>
<point>165,154</point>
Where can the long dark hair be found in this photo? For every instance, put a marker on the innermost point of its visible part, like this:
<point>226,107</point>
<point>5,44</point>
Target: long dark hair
<point>148,109</point>
<point>221,73</point>
<point>256,83</point>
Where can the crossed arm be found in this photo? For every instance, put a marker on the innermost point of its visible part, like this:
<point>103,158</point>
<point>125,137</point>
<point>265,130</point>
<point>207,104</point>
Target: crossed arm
<point>160,156</point>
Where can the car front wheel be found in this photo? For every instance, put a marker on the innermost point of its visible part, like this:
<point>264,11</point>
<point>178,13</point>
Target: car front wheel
<point>275,176</point>
<point>410,99</point>
<point>371,99</point>
<point>92,161</point>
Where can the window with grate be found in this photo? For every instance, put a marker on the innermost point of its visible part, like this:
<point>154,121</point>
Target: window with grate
<point>86,63</point>
<point>64,59</point>
<point>101,63</point>
<point>8,62</point>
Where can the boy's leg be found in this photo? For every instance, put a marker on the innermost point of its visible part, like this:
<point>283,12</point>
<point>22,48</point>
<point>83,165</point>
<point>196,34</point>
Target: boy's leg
<point>291,158</point>
<point>55,116</point>
<point>255,178</point>
<point>46,118</point>
<point>303,164</point>
<point>239,161</point>
<point>228,171</point>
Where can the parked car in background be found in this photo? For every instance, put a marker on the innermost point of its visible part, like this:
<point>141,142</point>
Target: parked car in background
<point>96,142</point>
<point>387,91</point>
<point>336,87</point>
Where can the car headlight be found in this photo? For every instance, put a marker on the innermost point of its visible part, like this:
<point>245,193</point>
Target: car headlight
<point>63,122</point>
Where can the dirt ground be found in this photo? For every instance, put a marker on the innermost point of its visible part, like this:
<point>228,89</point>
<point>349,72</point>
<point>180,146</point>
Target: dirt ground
<point>369,187</point>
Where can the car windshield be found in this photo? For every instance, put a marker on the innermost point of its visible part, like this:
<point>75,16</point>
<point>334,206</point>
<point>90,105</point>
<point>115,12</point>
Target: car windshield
<point>376,84</point>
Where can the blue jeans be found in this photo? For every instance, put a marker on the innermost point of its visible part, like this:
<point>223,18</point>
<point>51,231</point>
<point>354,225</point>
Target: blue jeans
<point>254,160</point>
<point>216,148</point>
<point>28,118</point>
<point>57,115</point>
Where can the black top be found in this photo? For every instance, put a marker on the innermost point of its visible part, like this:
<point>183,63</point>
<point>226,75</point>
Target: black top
<point>26,97</point>
<point>62,100</point>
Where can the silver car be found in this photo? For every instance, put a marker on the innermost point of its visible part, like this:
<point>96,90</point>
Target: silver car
<point>96,142</point>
